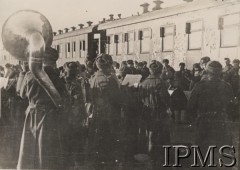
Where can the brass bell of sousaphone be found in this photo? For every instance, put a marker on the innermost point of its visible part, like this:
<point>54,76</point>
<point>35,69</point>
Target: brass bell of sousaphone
<point>25,35</point>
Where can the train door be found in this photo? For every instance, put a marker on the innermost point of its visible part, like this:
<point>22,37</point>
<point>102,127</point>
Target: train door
<point>96,43</point>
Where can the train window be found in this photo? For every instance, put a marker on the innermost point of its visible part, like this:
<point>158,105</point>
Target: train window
<point>167,35</point>
<point>80,45</point>
<point>68,47</point>
<point>118,42</point>
<point>110,45</point>
<point>58,49</point>
<point>130,42</point>
<point>84,45</point>
<point>194,30</point>
<point>74,46</point>
<point>125,37</point>
<point>144,36</point>
<point>229,28</point>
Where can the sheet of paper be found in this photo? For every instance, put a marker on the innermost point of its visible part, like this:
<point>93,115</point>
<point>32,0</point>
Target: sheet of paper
<point>132,79</point>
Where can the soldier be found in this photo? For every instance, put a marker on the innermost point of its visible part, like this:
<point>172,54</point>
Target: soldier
<point>122,71</point>
<point>196,75</point>
<point>154,118</point>
<point>130,67</point>
<point>234,80</point>
<point>203,64</point>
<point>167,73</point>
<point>234,76</point>
<point>144,71</point>
<point>208,106</point>
<point>77,115</point>
<point>183,76</point>
<point>41,138</point>
<point>105,96</point>
<point>21,106</point>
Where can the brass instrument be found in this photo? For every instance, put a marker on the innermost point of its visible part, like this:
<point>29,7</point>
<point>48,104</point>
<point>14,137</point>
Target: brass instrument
<point>25,35</point>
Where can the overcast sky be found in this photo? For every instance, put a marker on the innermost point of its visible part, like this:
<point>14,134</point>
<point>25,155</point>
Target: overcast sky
<point>68,13</point>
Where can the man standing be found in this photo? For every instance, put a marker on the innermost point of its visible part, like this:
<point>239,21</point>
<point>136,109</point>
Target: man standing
<point>203,64</point>
<point>234,80</point>
<point>154,119</point>
<point>167,72</point>
<point>105,98</point>
<point>77,116</point>
<point>227,69</point>
<point>41,146</point>
<point>209,107</point>
<point>183,76</point>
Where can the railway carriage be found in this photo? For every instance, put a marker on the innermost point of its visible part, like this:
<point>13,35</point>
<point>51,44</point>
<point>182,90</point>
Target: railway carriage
<point>182,33</point>
<point>76,45</point>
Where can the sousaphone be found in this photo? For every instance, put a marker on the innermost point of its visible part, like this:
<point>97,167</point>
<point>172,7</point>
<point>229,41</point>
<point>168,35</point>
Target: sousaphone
<point>25,35</point>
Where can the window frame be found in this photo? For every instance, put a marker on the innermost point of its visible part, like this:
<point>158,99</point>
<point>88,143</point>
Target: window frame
<point>173,34</point>
<point>222,26</point>
<point>195,31</point>
<point>128,40</point>
<point>141,39</point>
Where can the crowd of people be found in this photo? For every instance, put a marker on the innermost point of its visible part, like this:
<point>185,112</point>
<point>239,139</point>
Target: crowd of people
<point>107,123</point>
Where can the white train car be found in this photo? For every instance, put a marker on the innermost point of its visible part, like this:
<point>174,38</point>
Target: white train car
<point>72,45</point>
<point>182,33</point>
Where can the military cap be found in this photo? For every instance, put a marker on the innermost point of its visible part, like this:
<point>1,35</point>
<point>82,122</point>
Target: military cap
<point>214,67</point>
<point>155,66</point>
<point>102,62</point>
<point>227,59</point>
<point>165,61</point>
<point>205,59</point>
<point>197,65</point>
<point>144,63</point>
<point>130,62</point>
<point>140,64</point>
<point>107,58</point>
<point>181,64</point>
<point>71,66</point>
<point>237,61</point>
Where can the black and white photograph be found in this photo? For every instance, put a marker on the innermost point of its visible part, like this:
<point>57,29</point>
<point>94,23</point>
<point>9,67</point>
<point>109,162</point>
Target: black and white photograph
<point>120,84</point>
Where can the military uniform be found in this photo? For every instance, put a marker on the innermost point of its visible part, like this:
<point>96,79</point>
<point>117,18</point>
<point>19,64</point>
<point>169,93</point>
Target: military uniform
<point>183,78</point>
<point>41,144</point>
<point>104,126</point>
<point>168,75</point>
<point>154,119</point>
<point>208,105</point>
<point>77,118</point>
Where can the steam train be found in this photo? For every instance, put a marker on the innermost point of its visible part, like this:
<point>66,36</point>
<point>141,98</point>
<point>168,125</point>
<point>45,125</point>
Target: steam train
<point>182,33</point>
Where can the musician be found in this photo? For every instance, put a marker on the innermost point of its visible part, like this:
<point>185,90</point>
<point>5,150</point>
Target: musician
<point>41,138</point>
<point>208,105</point>
<point>203,65</point>
<point>105,98</point>
<point>154,119</point>
<point>196,75</point>
<point>234,80</point>
<point>130,69</point>
<point>167,72</point>
<point>77,115</point>
<point>143,70</point>
<point>183,76</point>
